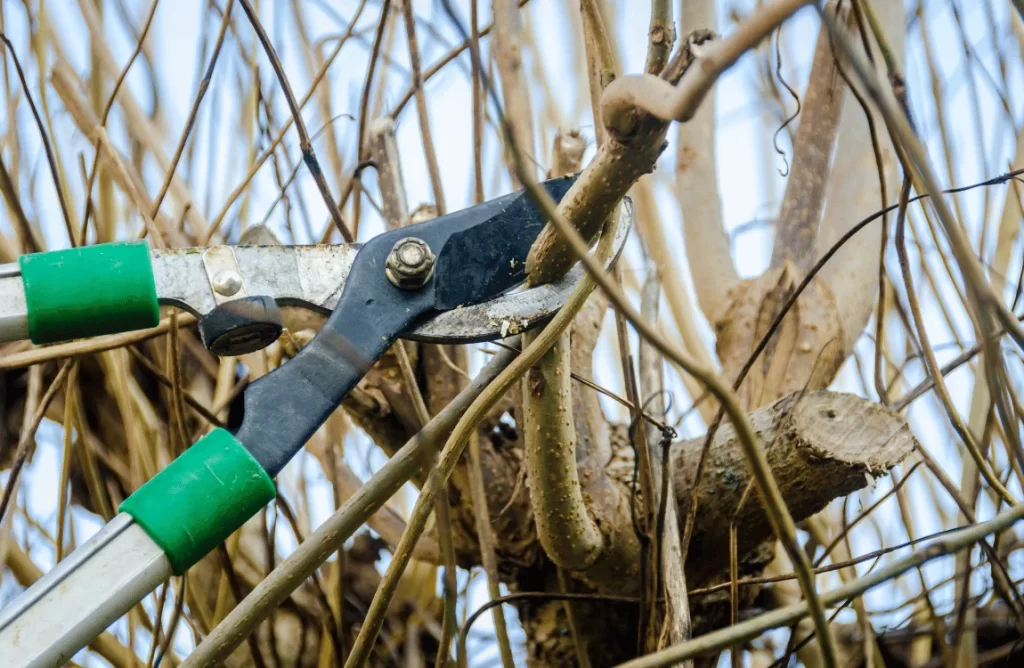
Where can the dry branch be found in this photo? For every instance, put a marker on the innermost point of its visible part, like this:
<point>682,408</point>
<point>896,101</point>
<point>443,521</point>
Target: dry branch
<point>797,229</point>
<point>625,156</point>
<point>138,123</point>
<point>708,247</point>
<point>821,445</point>
<point>508,48</point>
<point>660,98</point>
<point>752,628</point>
<point>384,152</point>
<point>856,192</point>
<point>565,528</point>
<point>667,559</point>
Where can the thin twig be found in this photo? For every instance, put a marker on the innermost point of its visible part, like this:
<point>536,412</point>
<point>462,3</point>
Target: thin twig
<point>193,113</point>
<point>716,640</point>
<point>51,160</point>
<point>26,439</point>
<point>433,170</point>
<point>308,154</point>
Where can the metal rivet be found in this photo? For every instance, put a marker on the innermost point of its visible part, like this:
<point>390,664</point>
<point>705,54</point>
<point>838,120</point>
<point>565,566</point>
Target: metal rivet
<point>227,282</point>
<point>410,264</point>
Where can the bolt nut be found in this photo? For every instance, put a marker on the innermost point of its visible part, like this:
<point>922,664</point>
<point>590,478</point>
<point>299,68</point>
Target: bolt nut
<point>410,264</point>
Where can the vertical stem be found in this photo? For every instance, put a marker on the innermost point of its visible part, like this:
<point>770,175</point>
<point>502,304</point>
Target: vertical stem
<point>601,65</point>
<point>485,537</point>
<point>514,91</point>
<point>441,513</point>
<point>668,561</point>
<point>478,103</point>
<point>106,202</point>
<point>421,107</point>
<point>662,36</point>
<point>797,230</point>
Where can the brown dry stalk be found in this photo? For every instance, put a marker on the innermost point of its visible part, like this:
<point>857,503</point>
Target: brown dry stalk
<point>137,122</point>
<point>65,82</point>
<point>421,108</point>
<point>488,558</point>
<point>89,346</point>
<point>754,627</point>
<point>384,153</point>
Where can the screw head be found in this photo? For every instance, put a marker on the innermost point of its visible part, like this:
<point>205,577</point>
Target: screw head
<point>227,282</point>
<point>410,264</point>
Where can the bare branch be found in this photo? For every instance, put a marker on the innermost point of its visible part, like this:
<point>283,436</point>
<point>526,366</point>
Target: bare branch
<point>308,153</point>
<point>138,123</point>
<point>508,55</point>
<point>602,67</point>
<point>752,628</point>
<point>662,35</point>
<point>708,246</point>
<point>666,101</point>
<point>854,191</point>
<point>569,535</point>
<point>620,161</point>
<point>384,152</point>
<point>797,229</point>
<point>674,625</point>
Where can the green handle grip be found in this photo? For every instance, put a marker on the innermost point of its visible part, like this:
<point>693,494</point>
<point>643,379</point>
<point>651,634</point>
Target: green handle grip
<point>201,498</point>
<point>89,291</point>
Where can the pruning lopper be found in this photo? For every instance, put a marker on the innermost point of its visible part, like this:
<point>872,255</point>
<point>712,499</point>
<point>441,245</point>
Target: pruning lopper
<point>446,280</point>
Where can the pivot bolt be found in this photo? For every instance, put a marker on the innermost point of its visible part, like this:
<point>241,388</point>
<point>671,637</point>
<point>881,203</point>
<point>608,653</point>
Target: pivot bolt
<point>410,264</point>
<point>227,282</point>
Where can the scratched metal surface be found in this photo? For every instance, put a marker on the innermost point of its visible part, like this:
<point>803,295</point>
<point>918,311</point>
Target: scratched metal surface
<point>312,278</point>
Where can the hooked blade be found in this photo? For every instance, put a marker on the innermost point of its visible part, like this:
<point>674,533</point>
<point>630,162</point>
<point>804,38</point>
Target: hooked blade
<point>488,257</point>
<point>285,407</point>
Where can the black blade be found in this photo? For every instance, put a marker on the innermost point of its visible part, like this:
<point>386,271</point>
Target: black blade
<point>488,256</point>
<point>481,253</point>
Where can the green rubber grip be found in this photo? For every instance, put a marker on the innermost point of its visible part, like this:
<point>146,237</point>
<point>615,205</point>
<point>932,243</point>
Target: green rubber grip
<point>89,291</point>
<point>201,498</point>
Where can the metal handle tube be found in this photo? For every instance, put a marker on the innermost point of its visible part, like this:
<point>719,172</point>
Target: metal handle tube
<point>72,604</point>
<point>13,309</point>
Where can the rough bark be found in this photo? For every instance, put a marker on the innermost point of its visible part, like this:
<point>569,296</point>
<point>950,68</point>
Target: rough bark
<point>804,353</point>
<point>820,445</point>
<point>630,151</point>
